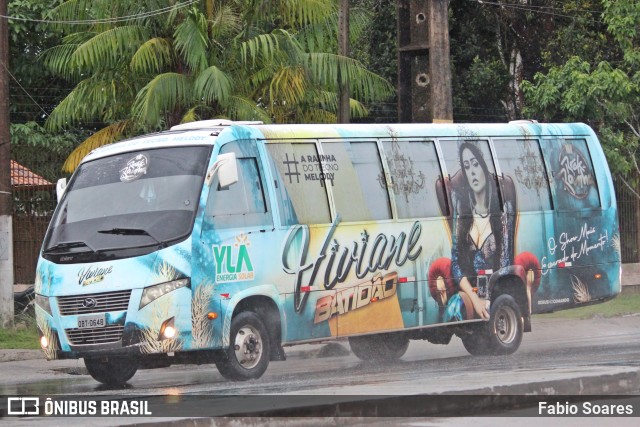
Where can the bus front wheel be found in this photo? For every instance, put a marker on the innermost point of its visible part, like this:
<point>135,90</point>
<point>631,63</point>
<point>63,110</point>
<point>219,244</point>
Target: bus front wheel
<point>502,334</point>
<point>248,354</point>
<point>381,347</point>
<point>112,371</point>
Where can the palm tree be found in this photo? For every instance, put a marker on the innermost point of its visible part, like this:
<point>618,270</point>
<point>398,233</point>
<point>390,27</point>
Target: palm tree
<point>147,65</point>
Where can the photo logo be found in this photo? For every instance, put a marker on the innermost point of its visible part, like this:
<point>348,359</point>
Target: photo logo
<point>23,406</point>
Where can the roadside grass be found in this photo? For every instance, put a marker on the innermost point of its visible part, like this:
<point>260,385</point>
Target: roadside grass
<point>24,334</point>
<point>619,306</point>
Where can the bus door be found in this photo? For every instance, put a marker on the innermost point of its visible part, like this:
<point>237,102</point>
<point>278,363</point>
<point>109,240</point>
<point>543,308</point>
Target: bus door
<point>236,227</point>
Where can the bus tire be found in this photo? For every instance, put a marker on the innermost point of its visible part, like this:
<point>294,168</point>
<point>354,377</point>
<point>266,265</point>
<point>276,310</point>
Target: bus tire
<point>113,371</point>
<point>505,327</point>
<point>502,334</point>
<point>247,357</point>
<point>477,342</point>
<point>381,347</point>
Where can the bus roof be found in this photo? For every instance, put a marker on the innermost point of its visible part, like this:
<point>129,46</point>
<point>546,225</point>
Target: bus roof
<point>207,132</point>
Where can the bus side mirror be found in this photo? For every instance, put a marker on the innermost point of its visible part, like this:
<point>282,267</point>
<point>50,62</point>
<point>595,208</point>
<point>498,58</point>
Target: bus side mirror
<point>61,186</point>
<point>226,168</point>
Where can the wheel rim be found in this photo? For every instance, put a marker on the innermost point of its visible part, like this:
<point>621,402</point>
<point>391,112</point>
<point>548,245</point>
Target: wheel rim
<point>248,347</point>
<point>505,325</point>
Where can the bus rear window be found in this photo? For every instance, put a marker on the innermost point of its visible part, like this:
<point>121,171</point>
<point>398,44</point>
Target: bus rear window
<point>572,172</point>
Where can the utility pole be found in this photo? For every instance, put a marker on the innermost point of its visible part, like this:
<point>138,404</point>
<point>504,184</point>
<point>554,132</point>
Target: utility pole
<point>6,226</point>
<point>343,50</point>
<point>424,69</point>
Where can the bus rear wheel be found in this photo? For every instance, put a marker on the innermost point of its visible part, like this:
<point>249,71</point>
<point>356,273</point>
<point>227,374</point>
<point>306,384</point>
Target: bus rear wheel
<point>112,371</point>
<point>502,334</point>
<point>381,347</point>
<point>247,357</point>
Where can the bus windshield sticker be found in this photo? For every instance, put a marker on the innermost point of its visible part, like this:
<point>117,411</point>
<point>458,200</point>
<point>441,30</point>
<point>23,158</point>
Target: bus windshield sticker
<point>135,168</point>
<point>575,173</point>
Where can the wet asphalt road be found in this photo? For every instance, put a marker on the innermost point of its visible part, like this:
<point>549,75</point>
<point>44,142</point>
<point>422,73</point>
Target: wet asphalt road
<point>556,349</point>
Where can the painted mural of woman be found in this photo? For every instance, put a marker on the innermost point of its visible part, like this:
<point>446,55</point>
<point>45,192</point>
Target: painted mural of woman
<point>483,233</point>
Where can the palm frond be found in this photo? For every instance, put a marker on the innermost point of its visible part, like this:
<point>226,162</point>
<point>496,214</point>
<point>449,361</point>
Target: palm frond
<point>271,47</point>
<point>58,58</point>
<point>153,56</point>
<point>263,46</point>
<point>71,10</point>
<point>104,136</point>
<point>225,21</point>
<point>164,94</point>
<point>322,35</point>
<point>100,97</point>
<point>318,115</point>
<point>241,108</point>
<point>580,291</point>
<point>288,85</point>
<point>191,115</point>
<point>305,12</point>
<point>357,110</point>
<point>109,48</point>
<point>213,85</point>
<point>260,77</point>
<point>191,40</point>
<point>331,70</point>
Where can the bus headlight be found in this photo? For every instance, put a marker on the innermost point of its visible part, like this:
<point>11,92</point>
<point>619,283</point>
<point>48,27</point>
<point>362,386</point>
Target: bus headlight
<point>156,291</point>
<point>43,303</point>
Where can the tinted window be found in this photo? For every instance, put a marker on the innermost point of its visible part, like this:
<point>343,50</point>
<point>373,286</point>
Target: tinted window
<point>572,173</point>
<point>130,201</point>
<point>472,177</point>
<point>357,180</point>
<point>243,204</point>
<point>523,168</point>
<point>300,183</point>
<point>415,177</point>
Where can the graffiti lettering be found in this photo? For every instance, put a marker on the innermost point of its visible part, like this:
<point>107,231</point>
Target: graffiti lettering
<point>573,247</point>
<point>356,297</point>
<point>574,173</point>
<point>89,275</point>
<point>360,258</point>
<point>135,168</point>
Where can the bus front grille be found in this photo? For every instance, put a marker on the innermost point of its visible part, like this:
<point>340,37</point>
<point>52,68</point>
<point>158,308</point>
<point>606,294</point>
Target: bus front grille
<point>105,335</point>
<point>94,303</point>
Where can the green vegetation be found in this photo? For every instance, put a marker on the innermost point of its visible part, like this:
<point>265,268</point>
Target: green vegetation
<point>623,304</point>
<point>22,337</point>
<point>243,60</point>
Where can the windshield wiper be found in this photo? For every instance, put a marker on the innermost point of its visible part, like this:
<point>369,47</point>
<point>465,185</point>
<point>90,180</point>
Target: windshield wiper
<point>68,245</point>
<point>133,232</point>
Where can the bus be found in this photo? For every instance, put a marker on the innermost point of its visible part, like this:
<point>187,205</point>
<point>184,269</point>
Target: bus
<point>226,242</point>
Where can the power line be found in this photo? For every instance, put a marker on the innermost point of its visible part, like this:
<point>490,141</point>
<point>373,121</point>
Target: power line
<point>106,20</point>
<point>536,9</point>
<point>23,89</point>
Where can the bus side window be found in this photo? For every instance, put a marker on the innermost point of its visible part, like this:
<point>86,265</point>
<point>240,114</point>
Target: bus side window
<point>416,178</point>
<point>243,204</point>
<point>522,166</point>
<point>301,194</point>
<point>357,179</point>
<point>472,177</point>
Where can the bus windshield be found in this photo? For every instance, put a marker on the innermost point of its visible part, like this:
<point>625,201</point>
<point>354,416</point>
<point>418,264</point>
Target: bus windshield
<point>137,201</point>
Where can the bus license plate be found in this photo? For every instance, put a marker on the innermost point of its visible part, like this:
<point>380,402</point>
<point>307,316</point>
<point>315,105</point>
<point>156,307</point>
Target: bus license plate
<point>93,321</point>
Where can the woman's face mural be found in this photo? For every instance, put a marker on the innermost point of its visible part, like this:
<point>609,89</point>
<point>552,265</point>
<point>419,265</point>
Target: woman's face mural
<point>473,171</point>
